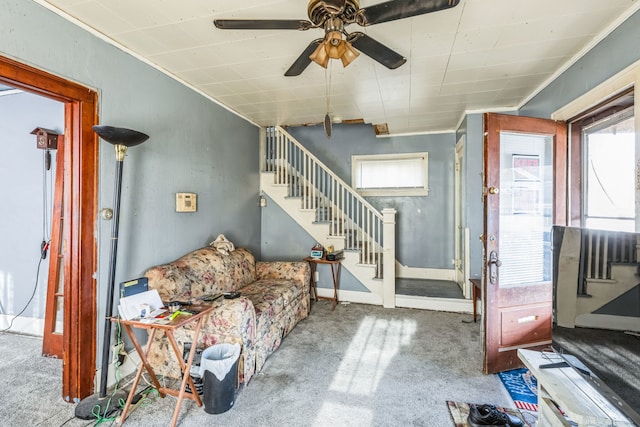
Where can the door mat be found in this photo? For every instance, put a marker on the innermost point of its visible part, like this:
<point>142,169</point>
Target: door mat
<point>522,387</point>
<point>460,411</point>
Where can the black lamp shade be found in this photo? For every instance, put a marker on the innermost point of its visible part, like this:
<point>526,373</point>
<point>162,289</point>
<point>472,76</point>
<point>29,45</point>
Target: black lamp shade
<point>120,136</point>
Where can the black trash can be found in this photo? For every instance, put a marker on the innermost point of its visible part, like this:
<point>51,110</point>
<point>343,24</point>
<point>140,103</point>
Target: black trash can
<point>218,368</point>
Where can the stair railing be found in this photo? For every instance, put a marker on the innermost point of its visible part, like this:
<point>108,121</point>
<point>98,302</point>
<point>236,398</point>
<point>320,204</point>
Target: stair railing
<point>349,214</point>
<point>600,249</point>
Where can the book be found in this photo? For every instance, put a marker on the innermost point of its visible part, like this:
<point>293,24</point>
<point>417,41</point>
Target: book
<point>134,286</point>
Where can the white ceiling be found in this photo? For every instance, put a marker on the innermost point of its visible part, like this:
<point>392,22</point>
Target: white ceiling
<point>481,55</point>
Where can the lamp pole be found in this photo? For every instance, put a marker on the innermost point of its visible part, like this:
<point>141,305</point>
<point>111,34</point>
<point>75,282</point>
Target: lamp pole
<point>121,152</point>
<point>121,139</point>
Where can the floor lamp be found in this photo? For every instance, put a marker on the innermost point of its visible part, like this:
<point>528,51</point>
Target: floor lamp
<point>121,139</point>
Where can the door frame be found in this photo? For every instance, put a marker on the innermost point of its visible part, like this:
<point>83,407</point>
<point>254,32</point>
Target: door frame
<point>461,233</point>
<point>493,124</point>
<point>79,210</point>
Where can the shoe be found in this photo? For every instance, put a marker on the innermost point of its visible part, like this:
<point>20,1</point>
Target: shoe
<point>488,415</point>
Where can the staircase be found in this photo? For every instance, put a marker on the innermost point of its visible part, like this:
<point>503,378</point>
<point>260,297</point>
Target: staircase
<point>331,212</point>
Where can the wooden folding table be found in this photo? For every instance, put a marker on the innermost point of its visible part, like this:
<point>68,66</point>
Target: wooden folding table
<point>336,267</point>
<point>167,327</point>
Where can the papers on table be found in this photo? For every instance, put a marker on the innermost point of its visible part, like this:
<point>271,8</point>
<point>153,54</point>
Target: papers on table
<point>142,305</point>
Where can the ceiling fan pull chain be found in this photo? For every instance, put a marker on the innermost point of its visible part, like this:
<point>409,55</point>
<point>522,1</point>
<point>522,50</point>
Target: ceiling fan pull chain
<point>328,79</point>
<point>327,117</point>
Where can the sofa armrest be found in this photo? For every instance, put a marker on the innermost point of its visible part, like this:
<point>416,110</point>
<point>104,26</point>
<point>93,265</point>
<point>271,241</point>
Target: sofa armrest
<point>171,281</point>
<point>299,271</point>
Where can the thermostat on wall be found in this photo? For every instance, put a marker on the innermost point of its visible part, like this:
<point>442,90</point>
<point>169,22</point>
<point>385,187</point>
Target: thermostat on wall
<point>186,202</point>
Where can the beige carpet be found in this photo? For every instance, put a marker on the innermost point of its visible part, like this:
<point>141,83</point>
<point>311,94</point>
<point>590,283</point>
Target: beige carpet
<point>360,365</point>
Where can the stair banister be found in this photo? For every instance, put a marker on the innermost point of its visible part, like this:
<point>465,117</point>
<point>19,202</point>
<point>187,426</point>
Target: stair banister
<point>317,161</point>
<point>317,185</point>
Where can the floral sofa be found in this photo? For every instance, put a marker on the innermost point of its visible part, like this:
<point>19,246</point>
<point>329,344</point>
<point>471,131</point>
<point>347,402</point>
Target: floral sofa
<point>274,298</point>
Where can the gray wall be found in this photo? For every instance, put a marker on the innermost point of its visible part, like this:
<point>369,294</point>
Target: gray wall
<point>23,207</point>
<point>194,145</point>
<point>283,239</point>
<point>613,54</point>
<point>425,224</point>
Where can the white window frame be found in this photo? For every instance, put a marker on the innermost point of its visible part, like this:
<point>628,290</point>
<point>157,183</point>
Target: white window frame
<point>423,190</point>
<point>618,222</point>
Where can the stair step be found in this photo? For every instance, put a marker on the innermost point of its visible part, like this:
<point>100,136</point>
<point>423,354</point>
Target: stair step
<point>316,210</point>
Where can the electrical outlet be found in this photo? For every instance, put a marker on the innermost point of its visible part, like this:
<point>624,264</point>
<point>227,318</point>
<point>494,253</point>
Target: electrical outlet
<point>120,359</point>
<point>119,354</point>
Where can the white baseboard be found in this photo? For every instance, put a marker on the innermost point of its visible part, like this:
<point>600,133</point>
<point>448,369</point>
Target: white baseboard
<point>425,273</point>
<point>352,296</point>
<point>22,325</point>
<point>606,321</point>
<point>455,305</point>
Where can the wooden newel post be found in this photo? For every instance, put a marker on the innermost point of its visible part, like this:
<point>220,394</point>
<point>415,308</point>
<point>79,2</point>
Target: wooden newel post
<point>389,258</point>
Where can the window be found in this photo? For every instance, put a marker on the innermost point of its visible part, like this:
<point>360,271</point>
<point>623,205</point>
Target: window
<point>604,144</point>
<point>609,173</point>
<point>391,174</point>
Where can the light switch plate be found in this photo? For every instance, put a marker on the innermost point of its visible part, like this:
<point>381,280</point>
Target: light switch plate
<point>186,202</point>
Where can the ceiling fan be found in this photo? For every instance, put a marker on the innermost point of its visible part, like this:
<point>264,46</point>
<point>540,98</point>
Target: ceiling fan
<point>333,16</point>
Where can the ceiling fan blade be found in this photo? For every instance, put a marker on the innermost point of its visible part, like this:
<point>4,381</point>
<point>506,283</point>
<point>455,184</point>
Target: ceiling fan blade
<point>376,50</point>
<point>303,60</point>
<point>262,24</point>
<point>399,9</point>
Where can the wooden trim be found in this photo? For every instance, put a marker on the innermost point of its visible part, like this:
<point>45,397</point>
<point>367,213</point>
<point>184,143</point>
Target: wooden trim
<point>52,341</point>
<point>491,227</point>
<point>575,173</point>
<point>80,207</point>
<point>560,170</point>
<point>40,82</point>
<point>607,108</point>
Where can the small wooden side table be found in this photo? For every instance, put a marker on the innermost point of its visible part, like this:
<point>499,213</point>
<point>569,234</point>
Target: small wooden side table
<point>336,268</point>
<point>476,291</point>
<point>167,327</point>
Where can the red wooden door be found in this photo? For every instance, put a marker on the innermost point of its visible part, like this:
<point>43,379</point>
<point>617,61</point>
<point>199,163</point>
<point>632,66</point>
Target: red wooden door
<point>524,194</point>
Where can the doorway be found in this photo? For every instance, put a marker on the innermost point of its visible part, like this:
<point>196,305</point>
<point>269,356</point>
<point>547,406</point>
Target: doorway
<point>79,210</point>
<point>27,171</point>
<point>524,194</point>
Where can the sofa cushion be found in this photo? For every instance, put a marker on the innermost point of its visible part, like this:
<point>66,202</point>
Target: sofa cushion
<point>212,272</point>
<point>270,297</point>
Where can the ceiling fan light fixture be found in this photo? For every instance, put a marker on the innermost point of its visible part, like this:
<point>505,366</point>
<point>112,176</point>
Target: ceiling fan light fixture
<point>349,55</point>
<point>334,45</point>
<point>320,56</point>
<point>333,16</point>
